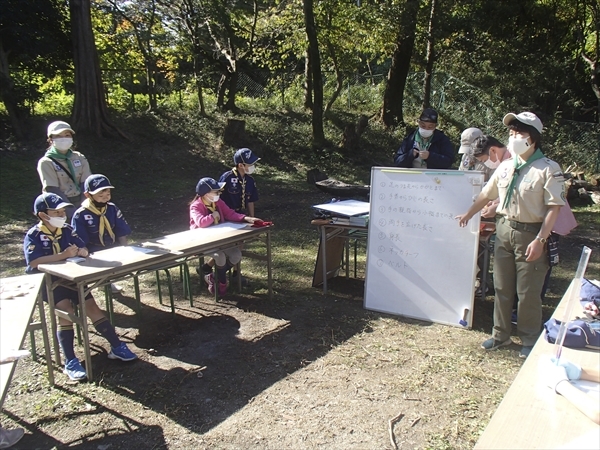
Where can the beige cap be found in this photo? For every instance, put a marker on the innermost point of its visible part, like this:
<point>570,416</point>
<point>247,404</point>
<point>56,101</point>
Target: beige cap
<point>467,138</point>
<point>528,118</point>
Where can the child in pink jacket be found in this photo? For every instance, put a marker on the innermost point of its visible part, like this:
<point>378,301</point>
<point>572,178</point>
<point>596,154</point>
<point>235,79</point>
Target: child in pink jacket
<point>208,209</point>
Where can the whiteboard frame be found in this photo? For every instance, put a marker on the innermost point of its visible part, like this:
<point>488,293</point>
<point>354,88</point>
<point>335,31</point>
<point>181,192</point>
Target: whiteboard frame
<point>383,292</point>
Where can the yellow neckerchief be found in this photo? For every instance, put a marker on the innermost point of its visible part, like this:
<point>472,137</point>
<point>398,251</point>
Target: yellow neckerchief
<point>212,207</point>
<point>54,237</point>
<point>243,183</point>
<point>104,223</point>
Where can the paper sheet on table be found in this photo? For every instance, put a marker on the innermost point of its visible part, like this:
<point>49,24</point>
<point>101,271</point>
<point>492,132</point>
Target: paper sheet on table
<point>118,253</point>
<point>191,235</point>
<point>346,207</point>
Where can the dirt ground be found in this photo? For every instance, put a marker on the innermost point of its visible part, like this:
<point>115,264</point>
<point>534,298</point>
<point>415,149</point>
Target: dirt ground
<point>300,371</point>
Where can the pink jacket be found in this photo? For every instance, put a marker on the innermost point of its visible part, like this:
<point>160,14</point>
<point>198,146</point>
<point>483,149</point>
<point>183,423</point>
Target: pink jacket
<point>201,217</point>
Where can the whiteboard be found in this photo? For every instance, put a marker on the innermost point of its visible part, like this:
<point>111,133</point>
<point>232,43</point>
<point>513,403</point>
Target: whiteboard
<point>420,263</point>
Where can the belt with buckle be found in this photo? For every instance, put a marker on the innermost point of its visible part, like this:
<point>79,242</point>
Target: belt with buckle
<point>530,227</point>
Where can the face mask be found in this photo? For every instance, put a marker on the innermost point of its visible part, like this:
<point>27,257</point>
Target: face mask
<point>518,146</point>
<point>62,144</point>
<point>57,222</point>
<point>213,198</point>
<point>425,133</point>
<point>250,169</point>
<point>98,204</point>
<point>491,164</point>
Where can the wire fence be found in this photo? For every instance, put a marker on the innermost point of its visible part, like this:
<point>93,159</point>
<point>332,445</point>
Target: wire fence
<point>460,104</point>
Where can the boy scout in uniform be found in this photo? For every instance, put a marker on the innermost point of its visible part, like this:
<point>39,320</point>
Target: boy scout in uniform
<point>530,188</point>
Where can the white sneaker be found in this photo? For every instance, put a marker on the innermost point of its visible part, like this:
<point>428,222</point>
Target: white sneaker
<point>115,288</point>
<point>8,438</point>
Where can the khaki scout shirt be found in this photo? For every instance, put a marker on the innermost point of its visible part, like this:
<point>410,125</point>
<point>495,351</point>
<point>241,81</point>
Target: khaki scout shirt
<point>52,175</point>
<point>539,185</point>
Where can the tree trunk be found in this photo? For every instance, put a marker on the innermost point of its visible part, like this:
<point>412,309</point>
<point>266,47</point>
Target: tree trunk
<point>430,58</point>
<point>318,135</point>
<point>151,88</point>
<point>233,81</point>
<point>221,87</point>
<point>338,77</point>
<point>198,78</point>
<point>8,95</point>
<point>90,111</point>
<point>308,86</point>
<point>393,97</point>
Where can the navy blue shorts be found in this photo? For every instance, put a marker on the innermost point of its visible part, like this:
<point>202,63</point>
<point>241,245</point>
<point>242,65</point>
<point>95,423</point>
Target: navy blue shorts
<point>62,293</point>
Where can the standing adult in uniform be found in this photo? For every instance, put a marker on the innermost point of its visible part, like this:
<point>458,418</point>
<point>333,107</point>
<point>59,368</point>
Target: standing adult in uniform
<point>530,188</point>
<point>63,170</point>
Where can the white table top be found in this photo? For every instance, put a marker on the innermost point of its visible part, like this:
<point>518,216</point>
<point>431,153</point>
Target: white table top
<point>532,416</point>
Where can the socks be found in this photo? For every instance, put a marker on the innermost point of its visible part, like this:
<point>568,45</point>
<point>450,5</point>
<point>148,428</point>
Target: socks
<point>66,338</point>
<point>104,327</point>
<point>222,274</point>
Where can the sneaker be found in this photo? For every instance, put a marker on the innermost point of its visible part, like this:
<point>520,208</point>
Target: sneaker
<point>525,351</point>
<point>222,288</point>
<point>74,370</point>
<point>493,344</point>
<point>513,317</point>
<point>115,288</point>
<point>8,438</point>
<point>209,279</point>
<point>122,352</point>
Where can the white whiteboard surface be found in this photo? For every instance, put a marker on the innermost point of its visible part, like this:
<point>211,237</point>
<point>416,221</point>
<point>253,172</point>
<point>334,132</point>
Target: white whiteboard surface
<point>420,263</point>
<point>345,207</point>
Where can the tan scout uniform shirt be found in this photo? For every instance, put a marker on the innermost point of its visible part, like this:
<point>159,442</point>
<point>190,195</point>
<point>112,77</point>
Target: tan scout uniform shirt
<point>52,175</point>
<point>539,185</point>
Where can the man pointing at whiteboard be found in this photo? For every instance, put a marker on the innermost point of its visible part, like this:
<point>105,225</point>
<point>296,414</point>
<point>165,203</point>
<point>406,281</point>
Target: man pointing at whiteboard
<point>530,188</point>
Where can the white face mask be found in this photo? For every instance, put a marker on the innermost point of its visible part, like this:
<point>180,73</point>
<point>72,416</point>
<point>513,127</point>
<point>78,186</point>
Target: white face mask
<point>250,169</point>
<point>518,146</point>
<point>425,133</point>
<point>491,164</point>
<point>213,198</point>
<point>62,144</point>
<point>57,222</point>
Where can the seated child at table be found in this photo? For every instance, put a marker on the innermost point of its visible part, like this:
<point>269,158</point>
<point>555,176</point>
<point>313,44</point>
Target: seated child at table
<point>99,222</point>
<point>239,193</point>
<point>207,209</point>
<point>52,240</point>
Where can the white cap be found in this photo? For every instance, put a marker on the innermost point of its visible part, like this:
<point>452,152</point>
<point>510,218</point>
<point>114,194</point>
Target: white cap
<point>467,138</point>
<point>528,118</point>
<point>58,127</point>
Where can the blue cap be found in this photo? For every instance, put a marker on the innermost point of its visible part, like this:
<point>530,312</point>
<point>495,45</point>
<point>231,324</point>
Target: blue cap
<point>429,115</point>
<point>205,185</point>
<point>95,183</point>
<point>47,201</point>
<point>245,156</point>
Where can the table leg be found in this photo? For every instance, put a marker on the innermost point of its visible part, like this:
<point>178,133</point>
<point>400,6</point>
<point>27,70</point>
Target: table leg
<point>269,269</point>
<point>50,295</point>
<point>84,331</point>
<point>324,257</point>
<point>47,352</point>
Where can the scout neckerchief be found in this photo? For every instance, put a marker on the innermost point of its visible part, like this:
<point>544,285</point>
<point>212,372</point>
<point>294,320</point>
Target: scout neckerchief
<point>53,153</point>
<point>243,183</point>
<point>212,207</point>
<point>518,167</point>
<point>423,144</point>
<point>54,237</point>
<point>104,223</point>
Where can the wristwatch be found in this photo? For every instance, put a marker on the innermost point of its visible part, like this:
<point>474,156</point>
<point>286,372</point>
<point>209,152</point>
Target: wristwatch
<point>541,239</point>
